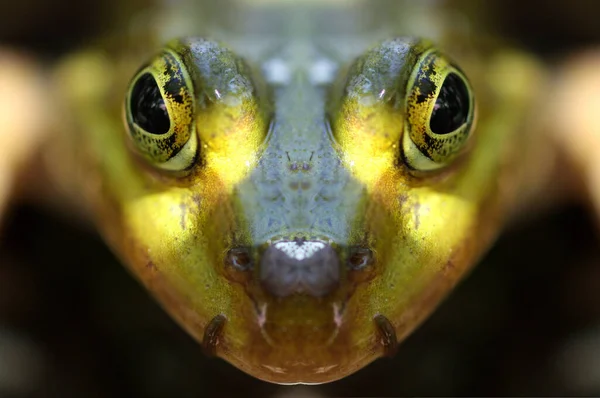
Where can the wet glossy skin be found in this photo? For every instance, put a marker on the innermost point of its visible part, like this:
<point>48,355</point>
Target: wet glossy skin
<point>291,215</point>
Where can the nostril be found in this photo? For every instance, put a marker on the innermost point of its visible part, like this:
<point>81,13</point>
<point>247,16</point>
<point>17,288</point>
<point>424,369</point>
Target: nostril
<point>309,267</point>
<point>359,258</point>
<point>239,258</point>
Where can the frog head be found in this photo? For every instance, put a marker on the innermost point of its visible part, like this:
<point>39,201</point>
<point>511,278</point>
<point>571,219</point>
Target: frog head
<point>302,216</point>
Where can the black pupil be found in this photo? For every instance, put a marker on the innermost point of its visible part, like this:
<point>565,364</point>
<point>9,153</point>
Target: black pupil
<point>451,108</point>
<point>148,107</point>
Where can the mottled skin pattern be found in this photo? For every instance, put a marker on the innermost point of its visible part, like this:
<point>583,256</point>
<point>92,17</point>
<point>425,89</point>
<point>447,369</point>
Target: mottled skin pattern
<point>294,146</point>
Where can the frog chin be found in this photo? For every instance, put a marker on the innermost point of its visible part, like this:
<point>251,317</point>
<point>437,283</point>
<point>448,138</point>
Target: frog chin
<point>301,339</point>
<point>299,329</point>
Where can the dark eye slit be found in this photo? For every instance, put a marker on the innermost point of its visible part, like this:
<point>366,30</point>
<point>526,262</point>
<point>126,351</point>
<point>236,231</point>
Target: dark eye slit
<point>451,108</point>
<point>148,107</point>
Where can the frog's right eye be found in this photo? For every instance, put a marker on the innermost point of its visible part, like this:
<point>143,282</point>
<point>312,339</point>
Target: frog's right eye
<point>404,103</point>
<point>159,109</point>
<point>440,111</point>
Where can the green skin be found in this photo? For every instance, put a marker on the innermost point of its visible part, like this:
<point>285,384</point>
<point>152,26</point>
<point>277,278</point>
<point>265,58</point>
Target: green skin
<point>301,141</point>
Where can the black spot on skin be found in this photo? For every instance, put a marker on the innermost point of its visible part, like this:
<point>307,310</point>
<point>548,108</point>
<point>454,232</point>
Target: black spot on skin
<point>387,335</point>
<point>212,335</point>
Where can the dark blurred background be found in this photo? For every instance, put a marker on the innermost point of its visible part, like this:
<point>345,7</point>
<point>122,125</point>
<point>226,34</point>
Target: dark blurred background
<point>73,323</point>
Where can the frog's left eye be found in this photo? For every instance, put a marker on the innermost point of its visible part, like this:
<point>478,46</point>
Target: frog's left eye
<point>160,111</point>
<point>439,114</point>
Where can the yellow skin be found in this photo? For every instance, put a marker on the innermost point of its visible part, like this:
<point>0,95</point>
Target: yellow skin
<point>407,211</point>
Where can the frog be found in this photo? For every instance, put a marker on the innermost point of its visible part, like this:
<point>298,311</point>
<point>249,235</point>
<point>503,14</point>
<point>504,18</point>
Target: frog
<point>299,195</point>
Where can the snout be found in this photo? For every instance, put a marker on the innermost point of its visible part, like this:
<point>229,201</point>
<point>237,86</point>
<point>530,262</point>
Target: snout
<point>299,266</point>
